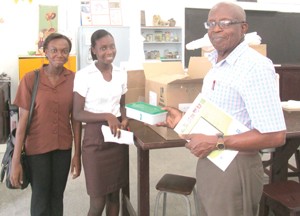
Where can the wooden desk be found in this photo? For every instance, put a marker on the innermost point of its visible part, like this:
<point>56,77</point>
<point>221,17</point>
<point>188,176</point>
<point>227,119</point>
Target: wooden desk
<point>147,139</point>
<point>280,157</point>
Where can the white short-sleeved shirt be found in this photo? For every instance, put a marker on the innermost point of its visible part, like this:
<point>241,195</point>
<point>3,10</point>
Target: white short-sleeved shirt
<point>245,86</point>
<point>100,95</point>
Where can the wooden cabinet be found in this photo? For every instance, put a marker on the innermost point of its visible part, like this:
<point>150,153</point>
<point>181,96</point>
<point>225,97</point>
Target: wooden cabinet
<point>162,43</point>
<point>29,63</point>
<point>289,82</point>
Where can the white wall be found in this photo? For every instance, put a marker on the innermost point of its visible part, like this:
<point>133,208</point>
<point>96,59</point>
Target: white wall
<point>19,31</point>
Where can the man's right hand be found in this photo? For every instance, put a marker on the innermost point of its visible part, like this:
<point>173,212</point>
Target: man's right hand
<point>173,117</point>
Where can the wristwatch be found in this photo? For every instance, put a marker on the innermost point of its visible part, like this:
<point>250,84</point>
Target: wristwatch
<point>220,142</point>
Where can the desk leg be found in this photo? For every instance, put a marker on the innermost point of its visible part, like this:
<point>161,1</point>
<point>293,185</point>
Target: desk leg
<point>281,156</point>
<point>143,202</point>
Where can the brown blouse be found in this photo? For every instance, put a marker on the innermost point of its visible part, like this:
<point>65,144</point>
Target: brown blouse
<point>50,127</point>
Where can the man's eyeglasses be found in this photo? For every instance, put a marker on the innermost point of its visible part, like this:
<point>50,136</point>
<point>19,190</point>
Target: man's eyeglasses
<point>223,24</point>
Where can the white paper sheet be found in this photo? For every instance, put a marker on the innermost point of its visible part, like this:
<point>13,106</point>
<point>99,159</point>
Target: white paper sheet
<point>126,137</point>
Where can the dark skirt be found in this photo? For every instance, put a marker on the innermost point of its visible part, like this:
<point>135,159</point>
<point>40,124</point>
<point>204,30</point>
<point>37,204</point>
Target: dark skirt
<point>105,163</point>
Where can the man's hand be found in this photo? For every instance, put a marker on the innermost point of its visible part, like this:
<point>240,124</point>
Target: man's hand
<point>199,144</point>
<point>173,117</point>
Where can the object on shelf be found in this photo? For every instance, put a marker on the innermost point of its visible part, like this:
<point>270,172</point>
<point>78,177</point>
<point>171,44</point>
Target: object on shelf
<point>163,43</point>
<point>158,36</point>
<point>172,22</point>
<point>149,37</point>
<point>157,21</point>
<point>31,52</point>
<point>167,36</point>
<point>153,54</point>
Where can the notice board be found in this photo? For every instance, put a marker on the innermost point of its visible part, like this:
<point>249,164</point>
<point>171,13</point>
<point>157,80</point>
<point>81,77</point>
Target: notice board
<point>279,30</point>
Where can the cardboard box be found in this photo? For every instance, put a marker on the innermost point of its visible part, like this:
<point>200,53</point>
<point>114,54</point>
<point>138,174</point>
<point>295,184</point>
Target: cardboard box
<point>261,48</point>
<point>145,112</point>
<point>198,66</point>
<point>136,86</point>
<point>167,84</point>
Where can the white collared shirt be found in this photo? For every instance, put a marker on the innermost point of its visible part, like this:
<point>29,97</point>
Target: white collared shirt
<point>100,95</point>
<point>244,85</point>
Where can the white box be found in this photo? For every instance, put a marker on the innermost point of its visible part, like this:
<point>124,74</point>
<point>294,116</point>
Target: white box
<point>145,112</point>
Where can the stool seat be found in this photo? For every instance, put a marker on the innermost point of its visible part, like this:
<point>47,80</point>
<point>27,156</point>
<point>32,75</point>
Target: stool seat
<point>176,184</point>
<point>283,198</point>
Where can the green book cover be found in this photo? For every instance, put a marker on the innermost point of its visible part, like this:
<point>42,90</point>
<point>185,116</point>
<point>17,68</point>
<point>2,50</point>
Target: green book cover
<point>146,108</point>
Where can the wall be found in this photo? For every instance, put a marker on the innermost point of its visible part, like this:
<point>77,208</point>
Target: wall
<point>19,32</point>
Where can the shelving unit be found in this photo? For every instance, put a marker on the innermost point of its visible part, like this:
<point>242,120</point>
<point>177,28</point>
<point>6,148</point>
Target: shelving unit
<point>162,43</point>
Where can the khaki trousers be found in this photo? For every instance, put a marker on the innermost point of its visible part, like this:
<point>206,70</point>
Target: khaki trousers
<point>235,192</point>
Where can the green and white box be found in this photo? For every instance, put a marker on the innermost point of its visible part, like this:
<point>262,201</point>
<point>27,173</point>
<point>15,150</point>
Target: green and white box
<point>145,112</point>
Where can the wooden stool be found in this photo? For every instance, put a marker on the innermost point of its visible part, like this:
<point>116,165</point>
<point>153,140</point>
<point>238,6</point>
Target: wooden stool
<point>283,198</point>
<point>176,184</point>
<point>295,170</point>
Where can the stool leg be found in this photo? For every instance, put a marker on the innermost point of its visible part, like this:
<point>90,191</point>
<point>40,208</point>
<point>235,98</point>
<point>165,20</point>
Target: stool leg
<point>196,201</point>
<point>165,204</point>
<point>297,158</point>
<point>188,205</point>
<point>157,203</point>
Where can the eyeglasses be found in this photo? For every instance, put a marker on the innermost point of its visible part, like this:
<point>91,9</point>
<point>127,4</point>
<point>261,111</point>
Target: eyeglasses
<point>223,24</point>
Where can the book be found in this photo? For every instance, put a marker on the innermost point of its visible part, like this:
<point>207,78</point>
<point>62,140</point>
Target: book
<point>145,112</point>
<point>205,117</point>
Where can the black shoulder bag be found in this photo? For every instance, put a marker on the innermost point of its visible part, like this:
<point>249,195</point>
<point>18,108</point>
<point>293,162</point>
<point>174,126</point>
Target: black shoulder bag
<point>10,144</point>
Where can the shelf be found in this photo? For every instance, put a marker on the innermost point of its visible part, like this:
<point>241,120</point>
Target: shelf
<point>162,42</point>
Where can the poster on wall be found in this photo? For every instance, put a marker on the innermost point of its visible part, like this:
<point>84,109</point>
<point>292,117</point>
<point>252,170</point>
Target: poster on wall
<point>101,12</point>
<point>48,23</point>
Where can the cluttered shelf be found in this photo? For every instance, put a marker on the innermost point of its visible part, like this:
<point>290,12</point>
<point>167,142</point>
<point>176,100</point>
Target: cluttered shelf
<point>162,43</point>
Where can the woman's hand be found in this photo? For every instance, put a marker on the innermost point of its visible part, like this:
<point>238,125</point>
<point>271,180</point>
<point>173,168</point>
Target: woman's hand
<point>75,166</point>
<point>114,125</point>
<point>124,123</point>
<point>16,175</point>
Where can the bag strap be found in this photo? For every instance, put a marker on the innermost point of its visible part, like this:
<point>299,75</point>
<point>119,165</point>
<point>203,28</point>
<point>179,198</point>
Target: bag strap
<point>34,91</point>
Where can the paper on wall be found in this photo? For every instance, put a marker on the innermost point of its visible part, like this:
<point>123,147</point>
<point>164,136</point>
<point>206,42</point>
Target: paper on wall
<point>206,118</point>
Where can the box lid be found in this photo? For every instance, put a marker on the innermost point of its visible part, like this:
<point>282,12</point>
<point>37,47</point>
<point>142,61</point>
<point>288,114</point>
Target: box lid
<point>146,108</point>
<point>166,72</point>
<point>155,69</point>
<point>198,66</point>
<point>172,72</point>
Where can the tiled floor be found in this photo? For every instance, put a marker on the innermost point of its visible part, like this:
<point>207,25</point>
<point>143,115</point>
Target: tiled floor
<point>172,160</point>
<point>76,201</point>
